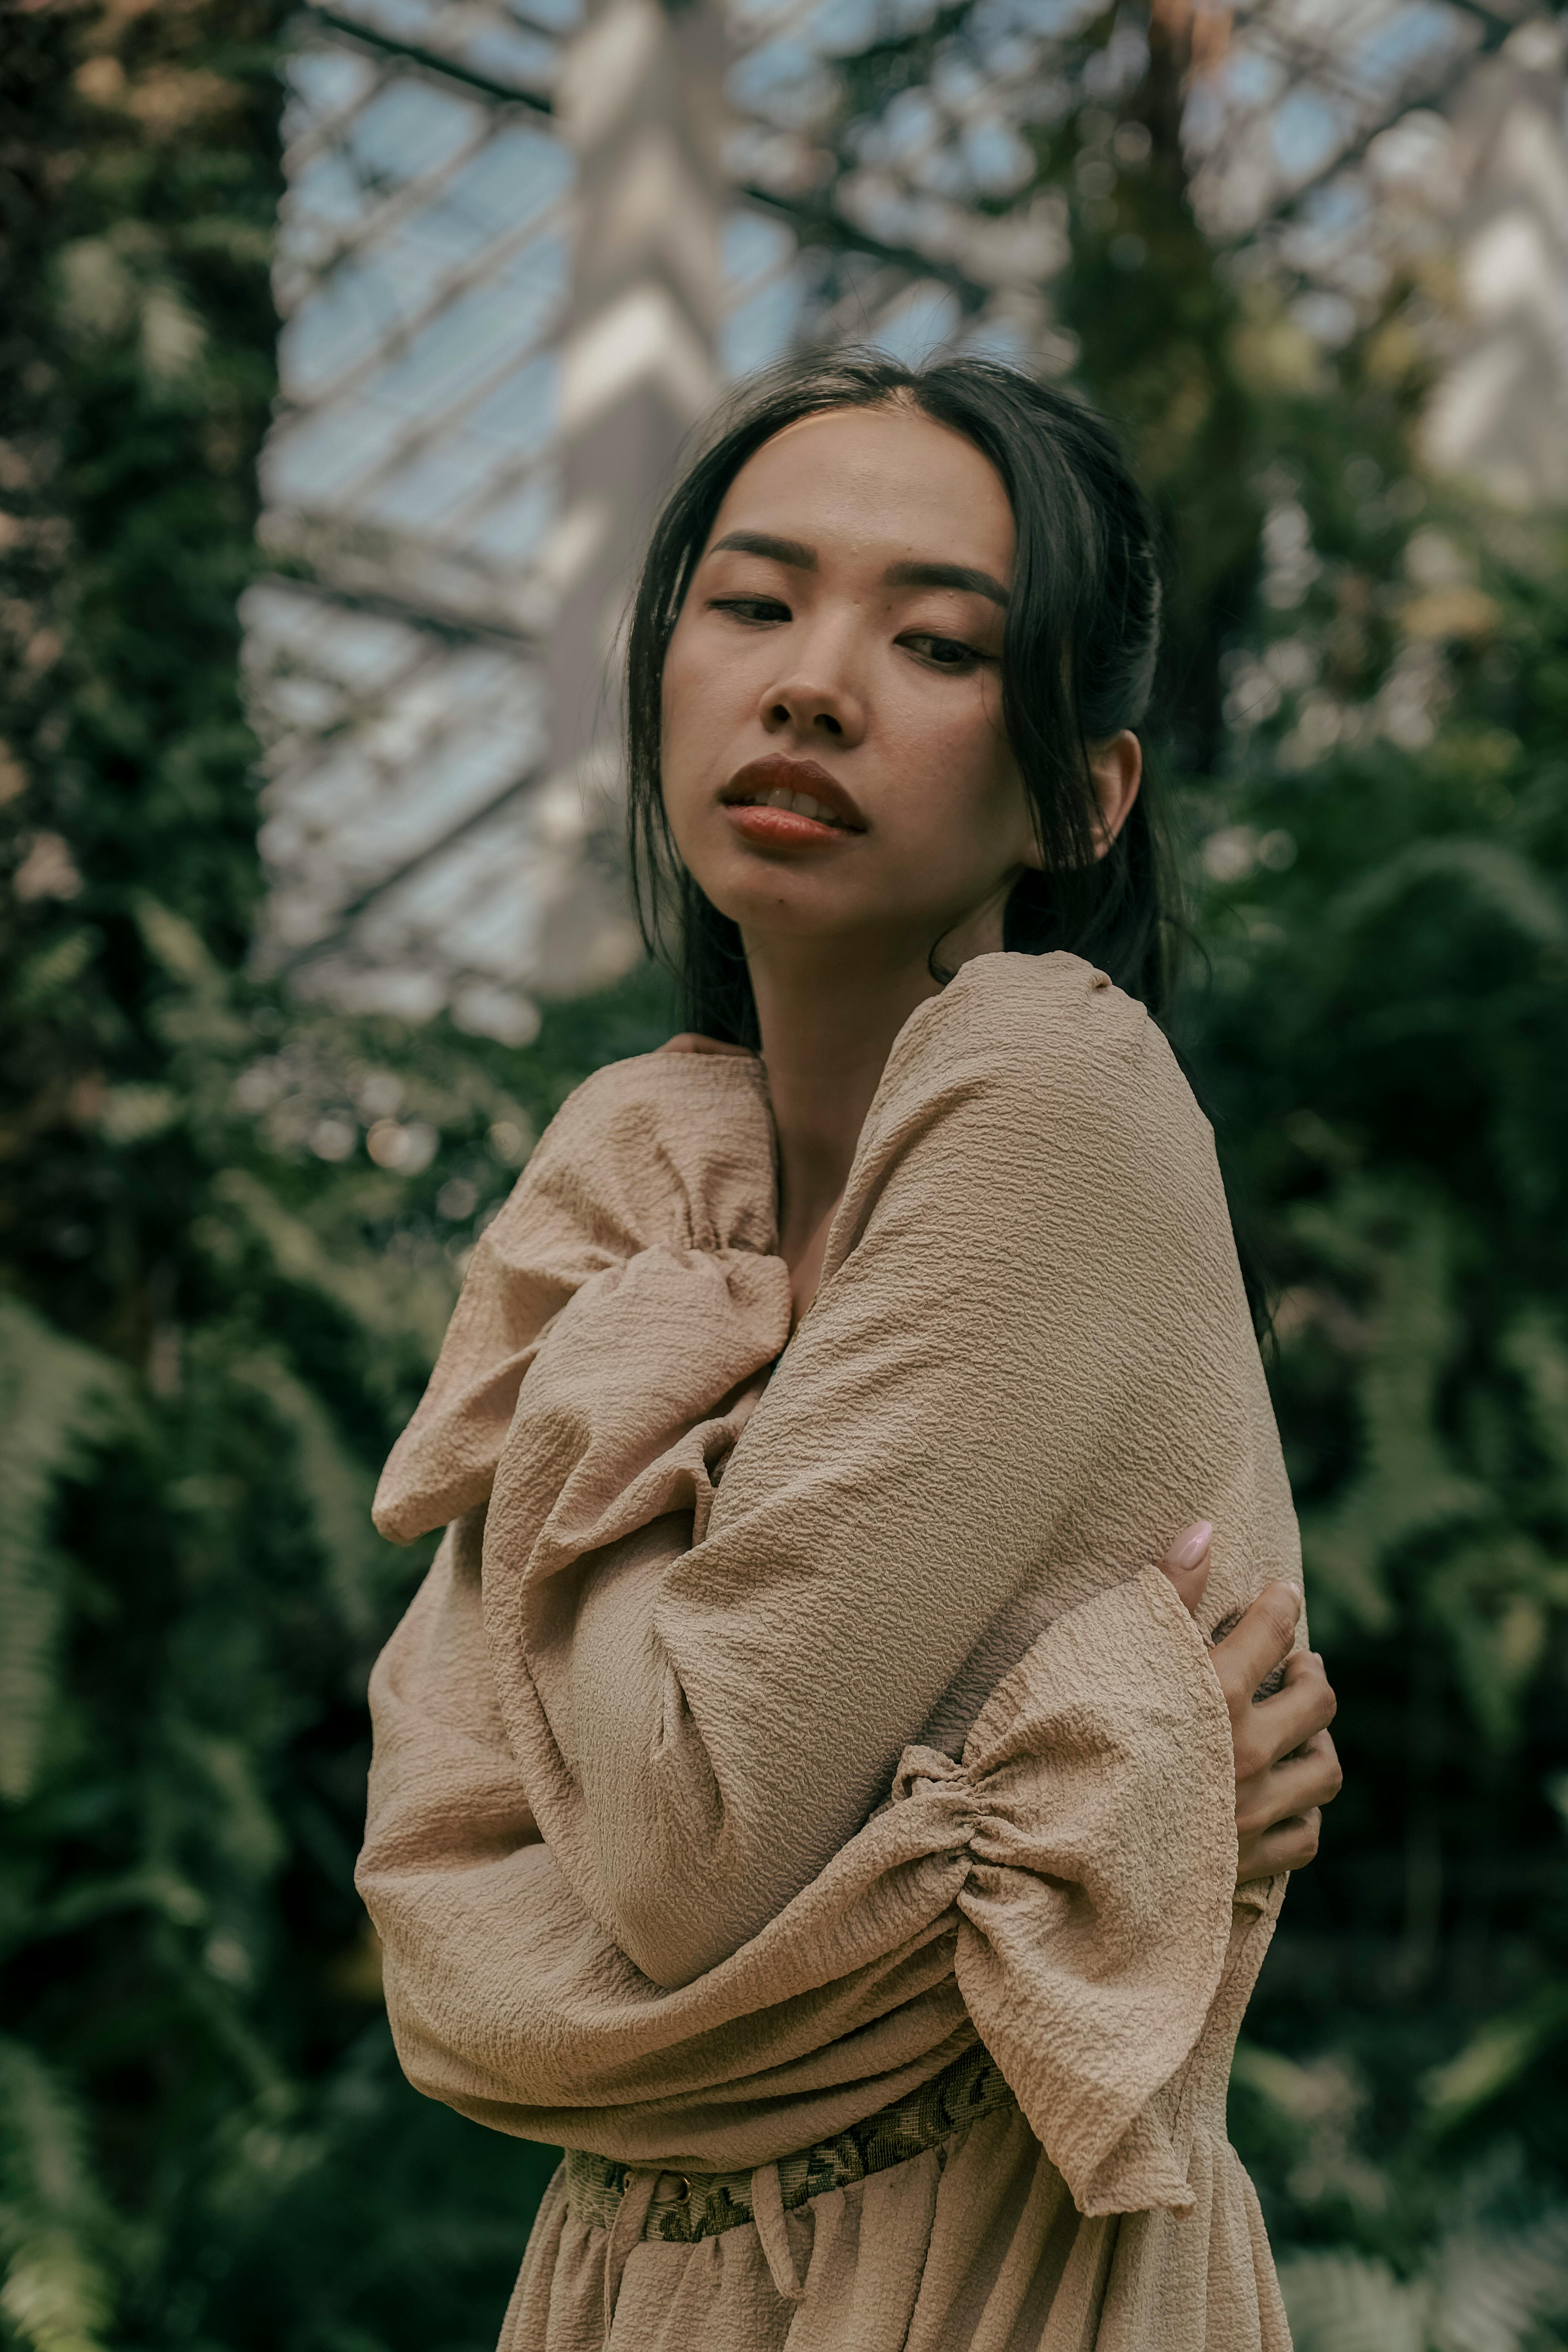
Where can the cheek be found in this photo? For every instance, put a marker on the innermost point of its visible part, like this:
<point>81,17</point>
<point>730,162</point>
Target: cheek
<point>964,795</point>
<point>677,691</point>
<point>707,692</point>
<point>947,720</point>
<point>683,728</point>
<point>703,704</point>
<point>713,661</point>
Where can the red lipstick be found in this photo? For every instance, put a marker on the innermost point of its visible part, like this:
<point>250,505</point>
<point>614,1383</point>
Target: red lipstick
<point>835,816</point>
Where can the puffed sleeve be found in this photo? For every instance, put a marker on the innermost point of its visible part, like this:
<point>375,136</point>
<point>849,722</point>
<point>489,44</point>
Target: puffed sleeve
<point>660,1149</point>
<point>1029,1362</point>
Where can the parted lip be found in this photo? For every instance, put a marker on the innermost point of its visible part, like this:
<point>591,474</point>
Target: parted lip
<point>778,773</point>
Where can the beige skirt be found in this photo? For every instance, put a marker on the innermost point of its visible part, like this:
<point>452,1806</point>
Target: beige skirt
<point>938,2225</point>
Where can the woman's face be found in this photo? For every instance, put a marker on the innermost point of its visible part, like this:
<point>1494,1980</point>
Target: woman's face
<point>834,759</point>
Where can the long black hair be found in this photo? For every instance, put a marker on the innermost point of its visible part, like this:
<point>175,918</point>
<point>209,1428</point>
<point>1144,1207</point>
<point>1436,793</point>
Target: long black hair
<point>1078,656</point>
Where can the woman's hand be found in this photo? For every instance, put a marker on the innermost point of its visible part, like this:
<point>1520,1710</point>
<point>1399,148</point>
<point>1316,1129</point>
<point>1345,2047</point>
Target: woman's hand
<point>1280,1709</point>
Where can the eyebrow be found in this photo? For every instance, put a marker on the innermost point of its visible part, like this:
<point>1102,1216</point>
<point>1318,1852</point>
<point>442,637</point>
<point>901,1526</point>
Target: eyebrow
<point>947,575</point>
<point>795,552</point>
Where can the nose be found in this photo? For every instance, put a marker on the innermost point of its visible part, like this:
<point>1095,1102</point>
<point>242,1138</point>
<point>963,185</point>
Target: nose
<point>816,698</point>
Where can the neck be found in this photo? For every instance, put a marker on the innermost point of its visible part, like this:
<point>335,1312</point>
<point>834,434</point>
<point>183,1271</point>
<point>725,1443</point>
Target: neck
<point>827,1027</point>
<point>828,1013</point>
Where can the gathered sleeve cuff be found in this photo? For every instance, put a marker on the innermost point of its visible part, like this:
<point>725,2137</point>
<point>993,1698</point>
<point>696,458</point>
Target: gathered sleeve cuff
<point>1097,1906</point>
<point>1064,1889</point>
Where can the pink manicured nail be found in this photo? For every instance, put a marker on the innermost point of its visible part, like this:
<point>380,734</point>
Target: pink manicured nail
<point>1193,1544</point>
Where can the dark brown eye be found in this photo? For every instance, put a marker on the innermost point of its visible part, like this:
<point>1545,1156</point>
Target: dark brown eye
<point>944,653</point>
<point>754,611</point>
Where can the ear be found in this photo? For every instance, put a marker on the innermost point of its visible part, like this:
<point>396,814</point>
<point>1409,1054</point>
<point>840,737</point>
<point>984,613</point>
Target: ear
<point>1117,770</point>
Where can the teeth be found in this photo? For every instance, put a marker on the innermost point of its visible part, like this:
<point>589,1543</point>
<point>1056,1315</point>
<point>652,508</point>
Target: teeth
<point>781,797</point>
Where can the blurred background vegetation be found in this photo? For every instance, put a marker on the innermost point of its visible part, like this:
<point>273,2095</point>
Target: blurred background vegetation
<point>233,1222</point>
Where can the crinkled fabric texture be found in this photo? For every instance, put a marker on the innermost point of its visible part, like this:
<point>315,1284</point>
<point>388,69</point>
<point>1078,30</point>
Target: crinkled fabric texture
<point>780,1715</point>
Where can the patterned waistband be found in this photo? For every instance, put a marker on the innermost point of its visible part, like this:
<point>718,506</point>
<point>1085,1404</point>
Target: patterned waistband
<point>687,2207</point>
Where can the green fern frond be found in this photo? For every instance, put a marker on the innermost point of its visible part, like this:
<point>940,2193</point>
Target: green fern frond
<point>220,1770</point>
<point>53,2225</point>
<point>54,970</point>
<point>1483,2288</point>
<point>1493,1599</point>
<point>1496,878</point>
<point>338,1487</point>
<point>363,1287</point>
<point>1490,2289</point>
<point>1496,2057</point>
<point>56,1398</point>
<point>177,945</point>
<point>1407,1485</point>
<point>1345,2303</point>
<point>54,2297</point>
<point>1536,1351</point>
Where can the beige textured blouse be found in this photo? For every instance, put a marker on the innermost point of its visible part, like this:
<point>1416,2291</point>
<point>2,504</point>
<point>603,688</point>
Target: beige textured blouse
<point>707,1819</point>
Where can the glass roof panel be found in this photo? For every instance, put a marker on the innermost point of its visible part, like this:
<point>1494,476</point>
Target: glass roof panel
<point>425,265</point>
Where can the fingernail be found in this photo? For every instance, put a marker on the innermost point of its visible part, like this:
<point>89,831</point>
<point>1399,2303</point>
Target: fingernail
<point>1193,1544</point>
<point>1293,1588</point>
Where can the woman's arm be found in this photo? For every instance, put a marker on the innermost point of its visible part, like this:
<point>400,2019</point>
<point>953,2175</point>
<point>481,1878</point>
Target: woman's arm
<point>1287,1768</point>
<point>1030,1348</point>
<point>630,1161</point>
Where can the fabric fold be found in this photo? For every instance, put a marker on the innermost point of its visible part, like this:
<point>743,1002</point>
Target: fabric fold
<point>683,1155</point>
<point>999,1868</point>
<point>782,1714</point>
<point>1121,1969</point>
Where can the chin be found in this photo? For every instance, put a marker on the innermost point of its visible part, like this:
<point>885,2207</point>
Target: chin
<point>766,903</point>
<point>750,887</point>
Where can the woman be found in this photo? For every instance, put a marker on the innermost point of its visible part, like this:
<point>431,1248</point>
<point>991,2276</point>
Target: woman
<point>796,1792</point>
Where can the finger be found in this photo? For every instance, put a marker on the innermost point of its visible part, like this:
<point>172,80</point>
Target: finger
<point>1188,1563</point>
<point>1287,1845</point>
<point>1294,1787</point>
<point>1322,1752</point>
<point>1291,1845</point>
<point>1261,1638</point>
<point>1273,1726</point>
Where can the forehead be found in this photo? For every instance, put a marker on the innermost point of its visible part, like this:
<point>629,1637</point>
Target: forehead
<point>886,480</point>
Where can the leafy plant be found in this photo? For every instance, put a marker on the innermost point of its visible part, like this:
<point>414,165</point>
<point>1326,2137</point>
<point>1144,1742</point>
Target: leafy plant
<point>230,1235</point>
<point>232,1227</point>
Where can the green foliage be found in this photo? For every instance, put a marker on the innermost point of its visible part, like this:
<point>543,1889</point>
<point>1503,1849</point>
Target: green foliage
<point>55,1399</point>
<point>231,1234</point>
<point>232,1228</point>
<point>53,2225</point>
<point>1383,1032</point>
<point>1487,2285</point>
